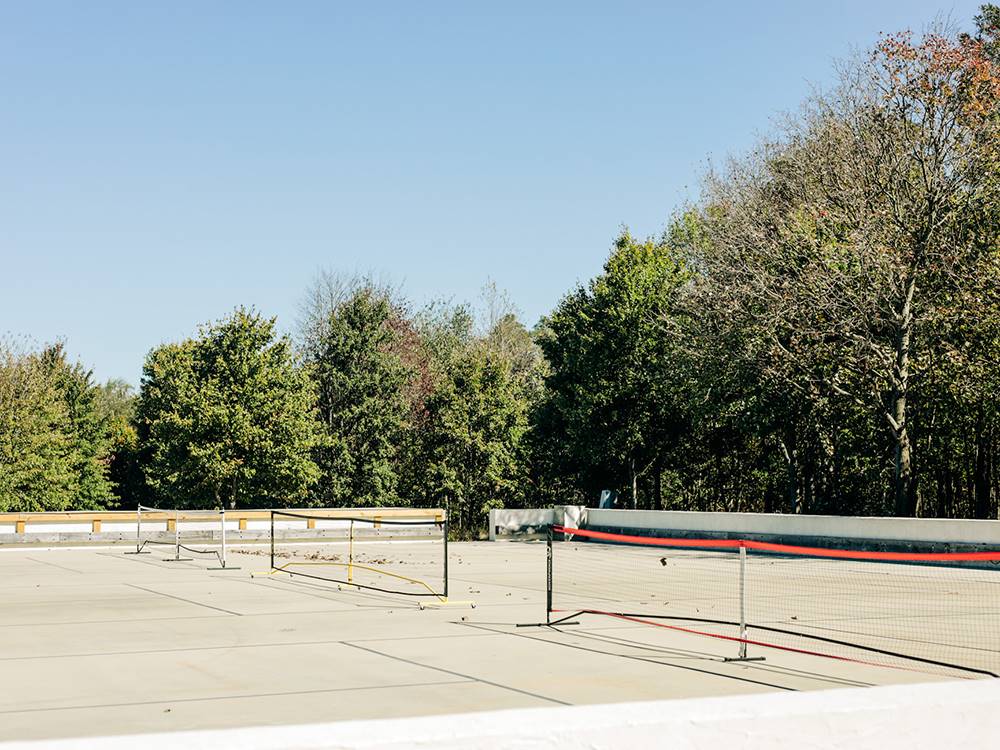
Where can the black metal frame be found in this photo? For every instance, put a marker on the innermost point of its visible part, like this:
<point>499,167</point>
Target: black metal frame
<point>569,620</point>
<point>442,524</point>
<point>140,546</point>
<point>549,622</point>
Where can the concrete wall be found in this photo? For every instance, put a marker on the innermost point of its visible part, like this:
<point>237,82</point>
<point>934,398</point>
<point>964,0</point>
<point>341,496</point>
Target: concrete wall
<point>940,530</point>
<point>951,533</point>
<point>532,522</point>
<point>900,717</point>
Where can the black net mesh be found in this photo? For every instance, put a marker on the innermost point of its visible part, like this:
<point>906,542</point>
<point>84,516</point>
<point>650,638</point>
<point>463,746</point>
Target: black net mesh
<point>936,615</point>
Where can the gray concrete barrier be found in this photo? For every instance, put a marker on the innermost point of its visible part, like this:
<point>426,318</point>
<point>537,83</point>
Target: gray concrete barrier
<point>888,533</point>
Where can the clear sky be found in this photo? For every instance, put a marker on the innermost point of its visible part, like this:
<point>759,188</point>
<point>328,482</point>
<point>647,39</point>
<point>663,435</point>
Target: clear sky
<point>161,163</point>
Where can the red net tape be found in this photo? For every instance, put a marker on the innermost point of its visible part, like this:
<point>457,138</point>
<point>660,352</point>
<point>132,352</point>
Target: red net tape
<point>785,549</point>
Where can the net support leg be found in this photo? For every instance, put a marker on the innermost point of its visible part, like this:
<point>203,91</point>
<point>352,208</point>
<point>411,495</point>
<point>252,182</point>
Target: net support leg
<point>549,622</point>
<point>177,541</point>
<point>138,533</point>
<point>445,558</point>
<point>743,610</point>
<point>443,600</point>
<point>548,575</point>
<point>222,538</point>
<point>743,602</point>
<point>350,553</point>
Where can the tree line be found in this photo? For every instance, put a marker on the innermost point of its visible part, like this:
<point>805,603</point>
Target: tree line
<point>818,333</point>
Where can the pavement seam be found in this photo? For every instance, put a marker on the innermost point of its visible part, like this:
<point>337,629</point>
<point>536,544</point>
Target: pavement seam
<point>6,712</point>
<point>283,644</point>
<point>54,565</point>
<point>182,599</point>
<point>457,674</point>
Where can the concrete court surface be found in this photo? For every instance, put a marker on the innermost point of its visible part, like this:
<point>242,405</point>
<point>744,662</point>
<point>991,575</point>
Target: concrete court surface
<point>97,642</point>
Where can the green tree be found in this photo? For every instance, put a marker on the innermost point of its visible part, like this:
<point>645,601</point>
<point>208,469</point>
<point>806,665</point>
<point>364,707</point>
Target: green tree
<point>844,265</point>
<point>228,419</point>
<point>116,402</point>
<point>87,427</point>
<point>610,407</point>
<point>467,446</point>
<point>474,438</point>
<point>37,461</point>
<point>361,380</point>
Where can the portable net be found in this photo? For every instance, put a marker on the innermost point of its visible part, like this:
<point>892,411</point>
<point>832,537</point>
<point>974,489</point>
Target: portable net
<point>362,549</point>
<point>935,612</point>
<point>182,532</point>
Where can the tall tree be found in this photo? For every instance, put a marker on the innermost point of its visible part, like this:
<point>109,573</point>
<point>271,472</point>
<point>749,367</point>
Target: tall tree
<point>609,408</point>
<point>837,246</point>
<point>86,425</point>
<point>36,446</point>
<point>472,452</point>
<point>116,403</point>
<point>227,419</point>
<point>361,381</point>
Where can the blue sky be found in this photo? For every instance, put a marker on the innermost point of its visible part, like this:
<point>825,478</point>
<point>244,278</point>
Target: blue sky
<point>161,163</point>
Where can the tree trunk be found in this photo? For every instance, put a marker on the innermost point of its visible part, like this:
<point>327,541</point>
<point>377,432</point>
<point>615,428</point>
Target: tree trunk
<point>718,481</point>
<point>657,484</point>
<point>901,377</point>
<point>983,489</point>
<point>809,491</point>
<point>835,476</point>
<point>994,474</point>
<point>635,493</point>
<point>920,504</point>
<point>904,467</point>
<point>950,490</point>
<point>939,484</point>
<point>792,469</point>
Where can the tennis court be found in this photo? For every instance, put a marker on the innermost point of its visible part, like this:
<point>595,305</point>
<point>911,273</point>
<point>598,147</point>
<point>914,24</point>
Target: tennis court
<point>96,642</point>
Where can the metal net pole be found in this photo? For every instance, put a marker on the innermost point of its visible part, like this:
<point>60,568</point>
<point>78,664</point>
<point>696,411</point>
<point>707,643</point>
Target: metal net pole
<point>548,576</point>
<point>446,556</point>
<point>743,608</point>
<point>350,553</point>
<point>222,515</point>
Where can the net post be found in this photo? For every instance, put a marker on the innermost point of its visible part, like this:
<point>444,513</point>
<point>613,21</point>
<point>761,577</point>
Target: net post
<point>548,575</point>
<point>743,612</point>
<point>177,534</point>
<point>139,543</point>
<point>272,540</point>
<point>220,554</point>
<point>350,553</point>
<point>222,516</point>
<point>446,556</point>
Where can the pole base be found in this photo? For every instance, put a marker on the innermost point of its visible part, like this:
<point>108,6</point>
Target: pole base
<point>543,624</point>
<point>142,552</point>
<point>447,603</point>
<point>227,567</point>
<point>177,559</point>
<point>744,658</point>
